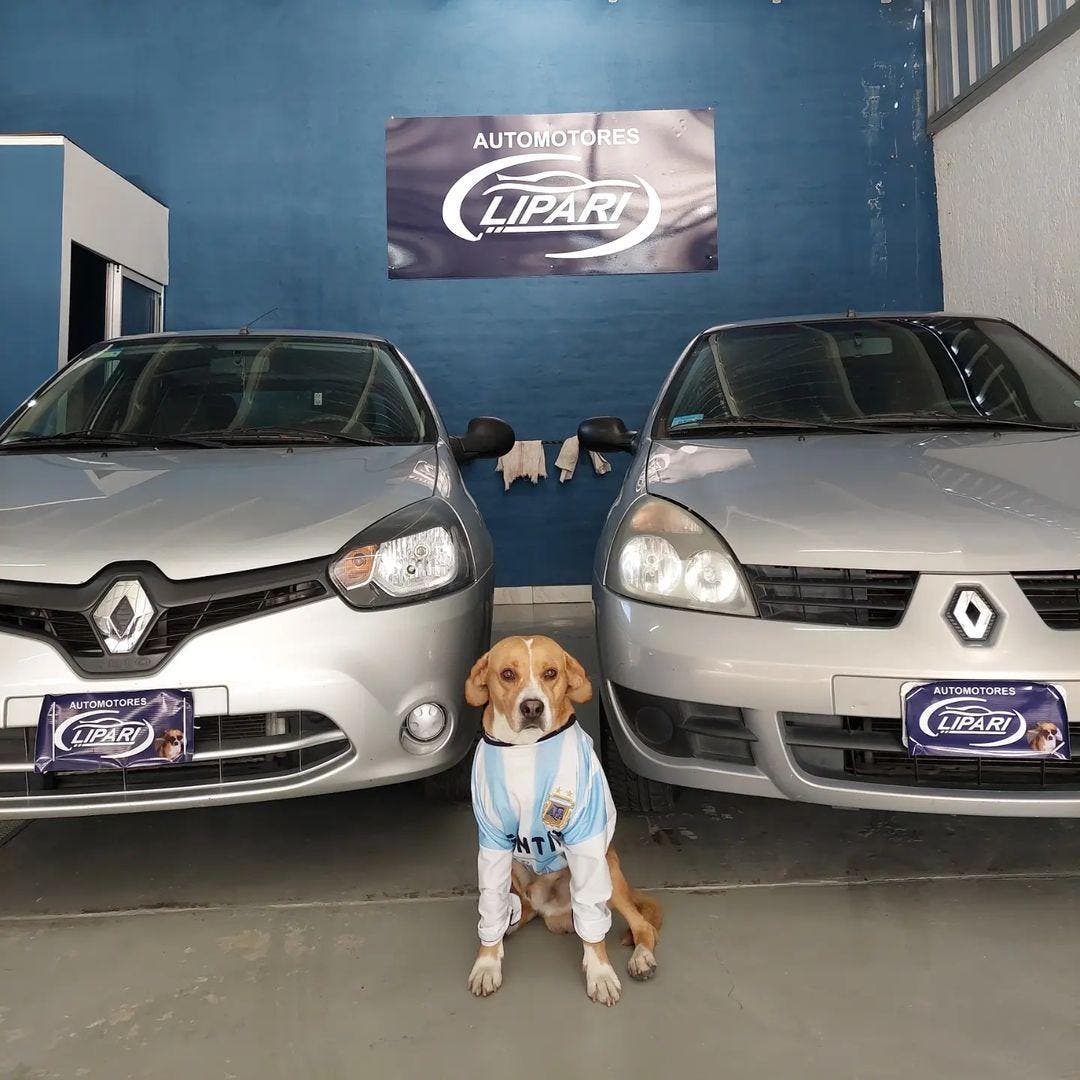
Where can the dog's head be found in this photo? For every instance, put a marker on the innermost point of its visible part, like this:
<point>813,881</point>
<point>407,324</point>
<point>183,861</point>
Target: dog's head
<point>529,686</point>
<point>172,741</point>
<point>1043,736</point>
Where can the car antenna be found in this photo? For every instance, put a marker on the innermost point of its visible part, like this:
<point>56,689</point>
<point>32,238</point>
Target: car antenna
<point>246,328</point>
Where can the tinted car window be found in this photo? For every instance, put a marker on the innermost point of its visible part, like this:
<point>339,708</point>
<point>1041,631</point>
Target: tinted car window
<point>184,386</point>
<point>855,369</point>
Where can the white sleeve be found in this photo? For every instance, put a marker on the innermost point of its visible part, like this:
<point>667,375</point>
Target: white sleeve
<point>497,910</point>
<point>590,887</point>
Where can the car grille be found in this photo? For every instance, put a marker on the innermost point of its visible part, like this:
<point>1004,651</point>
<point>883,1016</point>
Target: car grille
<point>185,609</point>
<point>869,750</point>
<point>69,629</point>
<point>256,747</point>
<point>1055,596</point>
<point>687,729</point>
<point>832,597</point>
<point>175,625</point>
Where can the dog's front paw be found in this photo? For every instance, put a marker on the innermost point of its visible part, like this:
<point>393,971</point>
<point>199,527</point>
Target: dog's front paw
<point>486,976</point>
<point>642,965</point>
<point>602,984</point>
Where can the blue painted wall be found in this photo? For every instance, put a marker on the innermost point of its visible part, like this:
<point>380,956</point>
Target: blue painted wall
<point>260,124</point>
<point>31,194</point>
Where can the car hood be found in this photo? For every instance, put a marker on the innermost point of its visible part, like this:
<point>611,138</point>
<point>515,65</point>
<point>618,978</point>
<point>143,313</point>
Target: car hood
<point>196,513</point>
<point>953,503</point>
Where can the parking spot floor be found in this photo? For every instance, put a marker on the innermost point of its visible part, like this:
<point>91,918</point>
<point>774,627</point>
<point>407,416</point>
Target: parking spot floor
<point>331,936</point>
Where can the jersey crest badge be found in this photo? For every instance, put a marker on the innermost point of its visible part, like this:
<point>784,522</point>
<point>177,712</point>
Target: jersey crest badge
<point>557,809</point>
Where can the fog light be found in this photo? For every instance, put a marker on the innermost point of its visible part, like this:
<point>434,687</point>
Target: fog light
<point>426,722</point>
<point>654,725</point>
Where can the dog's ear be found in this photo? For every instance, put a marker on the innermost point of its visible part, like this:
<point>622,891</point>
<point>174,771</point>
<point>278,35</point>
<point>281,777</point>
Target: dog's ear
<point>476,689</point>
<point>578,687</point>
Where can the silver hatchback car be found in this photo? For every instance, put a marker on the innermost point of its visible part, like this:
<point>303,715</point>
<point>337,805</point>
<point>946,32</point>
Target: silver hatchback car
<point>844,568</point>
<point>233,567</point>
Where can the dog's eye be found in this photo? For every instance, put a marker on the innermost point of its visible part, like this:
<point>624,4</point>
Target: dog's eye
<point>508,674</point>
<point>550,674</point>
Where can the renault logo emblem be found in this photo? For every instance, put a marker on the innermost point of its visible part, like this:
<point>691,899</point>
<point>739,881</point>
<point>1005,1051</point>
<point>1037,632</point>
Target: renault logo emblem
<point>123,615</point>
<point>972,616</point>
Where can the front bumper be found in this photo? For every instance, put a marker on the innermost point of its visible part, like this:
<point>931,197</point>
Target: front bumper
<point>357,673</point>
<point>785,677</point>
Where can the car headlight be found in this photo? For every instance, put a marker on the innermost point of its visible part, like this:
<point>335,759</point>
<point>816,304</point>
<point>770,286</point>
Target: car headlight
<point>664,554</point>
<point>415,553</point>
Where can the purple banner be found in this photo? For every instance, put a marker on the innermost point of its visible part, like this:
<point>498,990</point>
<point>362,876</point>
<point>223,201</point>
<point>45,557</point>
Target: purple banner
<point>122,730</point>
<point>998,720</point>
<point>567,193</point>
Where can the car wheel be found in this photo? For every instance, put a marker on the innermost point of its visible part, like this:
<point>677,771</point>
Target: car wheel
<point>629,790</point>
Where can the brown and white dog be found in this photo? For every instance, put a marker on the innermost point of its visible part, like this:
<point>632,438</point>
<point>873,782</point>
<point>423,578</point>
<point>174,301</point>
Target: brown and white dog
<point>528,687</point>
<point>1044,737</point>
<point>170,745</point>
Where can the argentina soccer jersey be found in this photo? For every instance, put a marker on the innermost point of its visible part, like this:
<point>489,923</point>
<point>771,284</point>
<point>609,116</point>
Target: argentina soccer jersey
<point>546,805</point>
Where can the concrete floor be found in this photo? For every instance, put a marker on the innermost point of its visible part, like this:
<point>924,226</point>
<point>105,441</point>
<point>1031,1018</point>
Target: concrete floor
<point>331,937</point>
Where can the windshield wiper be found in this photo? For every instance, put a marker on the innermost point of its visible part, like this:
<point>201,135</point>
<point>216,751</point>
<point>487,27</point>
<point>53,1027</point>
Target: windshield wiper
<point>923,418</point>
<point>285,435</point>
<point>107,439</point>
<point>752,422</point>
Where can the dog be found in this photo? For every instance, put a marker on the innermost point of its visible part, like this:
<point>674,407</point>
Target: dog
<point>546,819</point>
<point>170,745</point>
<point>1044,737</point>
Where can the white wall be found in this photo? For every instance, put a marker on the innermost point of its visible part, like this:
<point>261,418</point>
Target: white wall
<point>1008,178</point>
<point>110,216</point>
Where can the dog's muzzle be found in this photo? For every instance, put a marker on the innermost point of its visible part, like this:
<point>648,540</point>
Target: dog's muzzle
<point>532,712</point>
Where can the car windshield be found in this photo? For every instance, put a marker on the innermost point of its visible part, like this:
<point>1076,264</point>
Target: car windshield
<point>869,374</point>
<point>220,391</point>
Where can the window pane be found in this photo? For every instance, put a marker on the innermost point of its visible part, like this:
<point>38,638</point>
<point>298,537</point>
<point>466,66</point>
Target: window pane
<point>943,53</point>
<point>1005,34</point>
<point>962,32</point>
<point>982,37</point>
<point>1029,19</point>
<point>138,309</point>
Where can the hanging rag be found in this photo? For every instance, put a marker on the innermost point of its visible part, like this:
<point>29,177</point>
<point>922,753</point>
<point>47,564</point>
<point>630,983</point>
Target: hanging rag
<point>567,460</point>
<point>524,461</point>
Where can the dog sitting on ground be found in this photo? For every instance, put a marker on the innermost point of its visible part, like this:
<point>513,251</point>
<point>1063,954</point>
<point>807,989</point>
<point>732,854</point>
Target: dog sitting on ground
<point>546,819</point>
<point>1044,737</point>
<point>170,745</point>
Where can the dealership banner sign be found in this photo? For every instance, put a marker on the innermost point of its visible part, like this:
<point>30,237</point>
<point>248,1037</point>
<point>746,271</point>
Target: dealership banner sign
<point>568,193</point>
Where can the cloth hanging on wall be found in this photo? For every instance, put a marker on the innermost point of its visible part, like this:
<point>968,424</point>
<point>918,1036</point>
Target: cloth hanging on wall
<point>567,460</point>
<point>524,461</point>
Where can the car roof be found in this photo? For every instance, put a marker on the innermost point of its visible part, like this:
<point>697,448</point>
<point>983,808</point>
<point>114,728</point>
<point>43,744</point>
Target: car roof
<point>843,316</point>
<point>241,332</point>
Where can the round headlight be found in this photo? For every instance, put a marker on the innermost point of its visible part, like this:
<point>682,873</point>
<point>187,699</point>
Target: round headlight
<point>711,578</point>
<point>650,564</point>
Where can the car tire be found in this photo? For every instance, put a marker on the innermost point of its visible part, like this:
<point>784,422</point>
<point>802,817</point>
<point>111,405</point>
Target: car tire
<point>630,790</point>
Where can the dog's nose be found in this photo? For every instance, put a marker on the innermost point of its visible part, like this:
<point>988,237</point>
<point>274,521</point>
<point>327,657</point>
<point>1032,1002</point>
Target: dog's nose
<point>531,710</point>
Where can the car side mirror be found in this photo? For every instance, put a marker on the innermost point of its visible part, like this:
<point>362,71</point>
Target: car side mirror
<point>606,433</point>
<point>486,436</point>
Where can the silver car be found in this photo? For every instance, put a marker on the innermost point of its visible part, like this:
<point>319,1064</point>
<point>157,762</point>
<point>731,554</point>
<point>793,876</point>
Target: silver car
<point>234,567</point>
<point>844,568</point>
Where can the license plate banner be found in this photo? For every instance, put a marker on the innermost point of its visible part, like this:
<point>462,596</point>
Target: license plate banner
<point>551,194</point>
<point>991,720</point>
<point>123,730</point>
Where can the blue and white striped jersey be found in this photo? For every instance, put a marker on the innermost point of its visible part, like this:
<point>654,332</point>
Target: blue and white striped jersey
<point>548,806</point>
